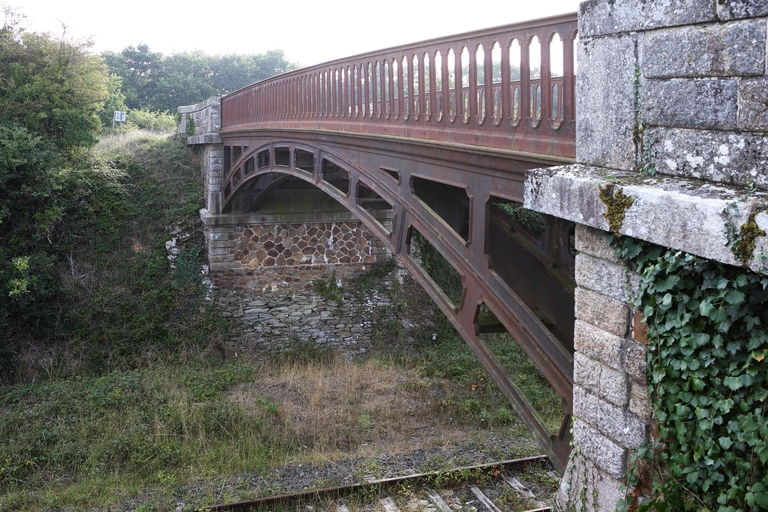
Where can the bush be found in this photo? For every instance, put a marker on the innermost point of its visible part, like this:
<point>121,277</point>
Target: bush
<point>152,121</point>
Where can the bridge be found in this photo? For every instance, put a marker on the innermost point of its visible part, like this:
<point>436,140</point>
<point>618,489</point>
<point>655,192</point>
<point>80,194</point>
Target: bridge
<point>429,139</point>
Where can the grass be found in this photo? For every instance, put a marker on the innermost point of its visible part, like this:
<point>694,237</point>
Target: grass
<point>140,403</point>
<point>97,441</point>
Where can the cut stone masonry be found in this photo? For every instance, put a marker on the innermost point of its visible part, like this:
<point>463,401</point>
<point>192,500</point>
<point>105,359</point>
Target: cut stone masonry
<point>678,87</point>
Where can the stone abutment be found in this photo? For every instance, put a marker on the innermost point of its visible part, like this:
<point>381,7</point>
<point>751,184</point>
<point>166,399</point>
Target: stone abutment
<point>672,111</point>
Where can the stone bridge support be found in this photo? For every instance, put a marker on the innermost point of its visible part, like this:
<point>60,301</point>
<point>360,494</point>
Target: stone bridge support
<point>299,237</point>
<point>201,124</point>
<point>672,109</point>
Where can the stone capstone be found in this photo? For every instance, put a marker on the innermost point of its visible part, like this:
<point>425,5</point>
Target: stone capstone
<point>697,217</point>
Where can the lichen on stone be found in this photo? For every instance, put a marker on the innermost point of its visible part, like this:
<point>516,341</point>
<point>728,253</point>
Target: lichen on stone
<point>616,206</point>
<point>745,246</point>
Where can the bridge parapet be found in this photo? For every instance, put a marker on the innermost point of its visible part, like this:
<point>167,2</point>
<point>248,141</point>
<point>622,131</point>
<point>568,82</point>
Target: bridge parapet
<point>483,88</point>
<point>671,112</point>
<point>206,121</point>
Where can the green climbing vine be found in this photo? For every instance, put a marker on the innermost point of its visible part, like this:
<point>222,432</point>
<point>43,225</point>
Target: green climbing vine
<point>708,375</point>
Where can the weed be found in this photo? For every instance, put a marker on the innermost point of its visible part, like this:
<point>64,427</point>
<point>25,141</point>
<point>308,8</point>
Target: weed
<point>301,351</point>
<point>329,289</point>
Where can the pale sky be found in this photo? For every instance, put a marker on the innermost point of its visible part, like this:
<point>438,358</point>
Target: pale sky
<point>308,31</point>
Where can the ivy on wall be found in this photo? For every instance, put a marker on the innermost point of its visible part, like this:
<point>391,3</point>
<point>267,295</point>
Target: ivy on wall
<point>708,343</point>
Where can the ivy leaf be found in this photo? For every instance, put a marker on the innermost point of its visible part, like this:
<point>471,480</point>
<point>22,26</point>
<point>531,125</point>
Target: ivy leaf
<point>667,284</point>
<point>733,383</point>
<point>725,442</point>
<point>705,307</point>
<point>734,297</point>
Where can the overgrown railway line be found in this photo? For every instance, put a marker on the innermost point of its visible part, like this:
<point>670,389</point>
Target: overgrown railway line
<point>494,487</point>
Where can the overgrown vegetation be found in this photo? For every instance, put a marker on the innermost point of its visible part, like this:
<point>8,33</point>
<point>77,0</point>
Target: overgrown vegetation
<point>437,268</point>
<point>532,221</point>
<point>708,339</point>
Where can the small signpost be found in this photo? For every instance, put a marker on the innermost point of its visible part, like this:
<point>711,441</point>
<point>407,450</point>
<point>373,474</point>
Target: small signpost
<point>118,117</point>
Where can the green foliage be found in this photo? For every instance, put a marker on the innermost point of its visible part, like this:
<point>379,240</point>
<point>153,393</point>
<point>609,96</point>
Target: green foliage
<point>154,82</point>
<point>162,122</point>
<point>44,210</point>
<point>707,370</point>
<point>370,279</point>
<point>532,221</point>
<point>437,267</point>
<point>440,352</point>
<point>149,424</point>
<point>115,101</point>
<point>53,87</point>
<point>328,288</point>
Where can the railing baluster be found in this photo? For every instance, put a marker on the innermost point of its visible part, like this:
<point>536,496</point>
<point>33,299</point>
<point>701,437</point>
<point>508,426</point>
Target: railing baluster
<point>490,100</point>
<point>374,90</point>
<point>506,92</point>
<point>525,79</point>
<point>390,89</point>
<point>546,77</point>
<point>458,96</point>
<point>569,79</point>
<point>473,98</point>
<point>445,93</point>
<point>422,110</point>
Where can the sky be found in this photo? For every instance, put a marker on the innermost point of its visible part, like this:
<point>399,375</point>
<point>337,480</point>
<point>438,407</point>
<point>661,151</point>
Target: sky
<point>308,31</point>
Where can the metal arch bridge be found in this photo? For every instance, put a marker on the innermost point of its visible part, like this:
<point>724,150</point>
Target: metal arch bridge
<point>435,133</point>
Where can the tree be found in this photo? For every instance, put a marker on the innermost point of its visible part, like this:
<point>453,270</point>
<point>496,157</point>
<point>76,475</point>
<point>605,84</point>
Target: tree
<point>155,82</point>
<point>51,92</point>
<point>115,101</point>
<point>51,86</point>
<point>139,68</point>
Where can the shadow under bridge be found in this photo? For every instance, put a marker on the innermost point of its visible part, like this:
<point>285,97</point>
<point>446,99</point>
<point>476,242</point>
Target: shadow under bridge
<point>510,275</point>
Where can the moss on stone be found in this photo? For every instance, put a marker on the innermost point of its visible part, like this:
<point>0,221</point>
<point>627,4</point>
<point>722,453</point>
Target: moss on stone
<point>745,247</point>
<point>616,206</point>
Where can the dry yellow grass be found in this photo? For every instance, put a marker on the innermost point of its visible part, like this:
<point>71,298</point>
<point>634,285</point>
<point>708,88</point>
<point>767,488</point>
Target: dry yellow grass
<point>341,407</point>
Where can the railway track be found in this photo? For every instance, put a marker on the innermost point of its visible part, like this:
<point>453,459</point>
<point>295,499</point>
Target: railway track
<point>495,487</point>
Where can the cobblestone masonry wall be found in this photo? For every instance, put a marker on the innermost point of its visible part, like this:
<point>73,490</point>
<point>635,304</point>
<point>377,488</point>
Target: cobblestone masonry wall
<point>272,257</point>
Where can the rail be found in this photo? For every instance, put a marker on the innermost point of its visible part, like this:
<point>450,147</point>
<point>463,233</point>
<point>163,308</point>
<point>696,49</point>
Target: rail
<point>509,87</point>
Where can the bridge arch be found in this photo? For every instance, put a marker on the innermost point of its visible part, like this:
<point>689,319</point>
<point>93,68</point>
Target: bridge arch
<point>259,166</point>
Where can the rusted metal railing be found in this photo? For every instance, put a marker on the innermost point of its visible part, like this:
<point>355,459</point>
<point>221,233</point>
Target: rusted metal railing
<point>484,88</point>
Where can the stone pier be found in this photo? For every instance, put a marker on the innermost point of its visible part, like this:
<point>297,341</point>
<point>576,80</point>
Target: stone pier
<point>672,111</point>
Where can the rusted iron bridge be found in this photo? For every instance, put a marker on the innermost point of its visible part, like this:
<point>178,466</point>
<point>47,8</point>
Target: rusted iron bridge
<point>437,134</point>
